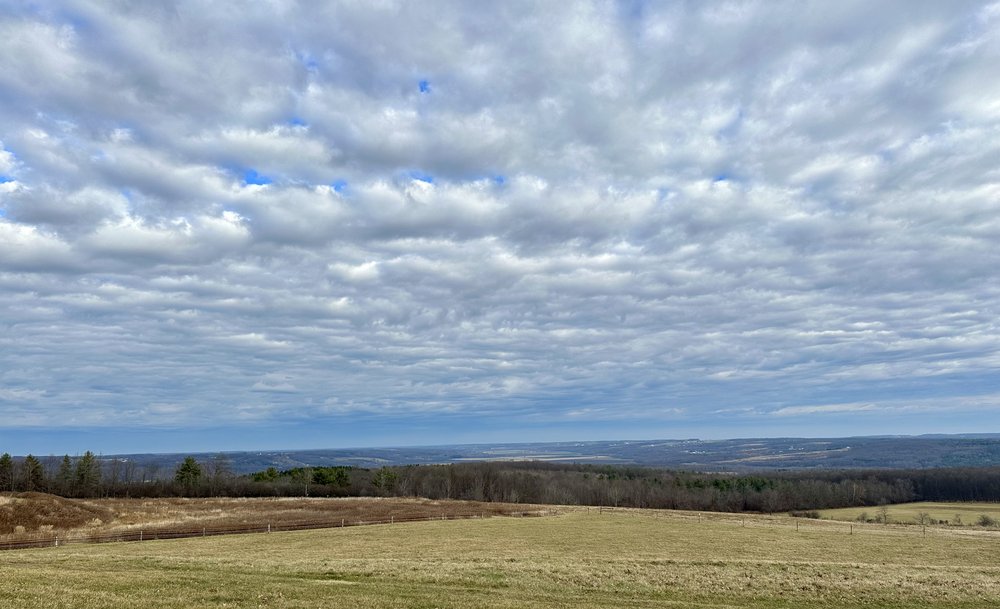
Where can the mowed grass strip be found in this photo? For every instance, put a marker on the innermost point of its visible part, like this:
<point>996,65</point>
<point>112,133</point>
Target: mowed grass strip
<point>958,513</point>
<point>578,559</point>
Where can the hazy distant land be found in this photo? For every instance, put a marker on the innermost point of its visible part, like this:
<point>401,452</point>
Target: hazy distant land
<point>748,454</point>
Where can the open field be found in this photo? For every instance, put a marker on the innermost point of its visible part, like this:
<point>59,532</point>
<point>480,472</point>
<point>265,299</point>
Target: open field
<point>580,559</point>
<point>958,513</point>
<point>25,517</point>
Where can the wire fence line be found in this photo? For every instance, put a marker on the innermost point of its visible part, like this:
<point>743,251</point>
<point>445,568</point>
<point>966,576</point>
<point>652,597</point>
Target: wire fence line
<point>742,520</point>
<point>783,522</point>
<point>152,534</point>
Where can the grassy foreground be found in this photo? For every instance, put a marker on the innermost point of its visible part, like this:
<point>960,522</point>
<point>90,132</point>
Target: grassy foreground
<point>579,559</point>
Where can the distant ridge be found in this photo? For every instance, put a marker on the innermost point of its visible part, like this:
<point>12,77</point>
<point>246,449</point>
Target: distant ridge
<point>743,454</point>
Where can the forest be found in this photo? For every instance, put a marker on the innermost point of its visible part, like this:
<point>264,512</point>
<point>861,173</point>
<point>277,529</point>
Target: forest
<point>515,482</point>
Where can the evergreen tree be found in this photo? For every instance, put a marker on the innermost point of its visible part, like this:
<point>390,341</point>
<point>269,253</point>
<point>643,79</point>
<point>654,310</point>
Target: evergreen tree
<point>64,478</point>
<point>33,473</point>
<point>385,480</point>
<point>332,476</point>
<point>88,475</point>
<point>269,475</point>
<point>6,472</point>
<point>188,473</point>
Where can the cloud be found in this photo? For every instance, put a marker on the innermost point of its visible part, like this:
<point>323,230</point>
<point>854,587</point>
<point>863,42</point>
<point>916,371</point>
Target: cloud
<point>825,409</point>
<point>18,395</point>
<point>524,213</point>
<point>274,384</point>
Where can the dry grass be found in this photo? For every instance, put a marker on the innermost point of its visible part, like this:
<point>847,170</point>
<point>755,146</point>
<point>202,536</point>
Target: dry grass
<point>32,512</point>
<point>27,516</point>
<point>580,559</point>
<point>953,514</point>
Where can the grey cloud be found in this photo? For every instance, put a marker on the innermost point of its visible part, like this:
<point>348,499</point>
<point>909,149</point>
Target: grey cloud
<point>766,207</point>
<point>66,212</point>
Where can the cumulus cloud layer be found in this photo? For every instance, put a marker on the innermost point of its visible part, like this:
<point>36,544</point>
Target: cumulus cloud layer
<point>666,212</point>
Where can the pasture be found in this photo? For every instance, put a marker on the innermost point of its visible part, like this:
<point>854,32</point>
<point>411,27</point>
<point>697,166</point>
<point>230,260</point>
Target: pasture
<point>580,558</point>
<point>27,518</point>
<point>955,514</point>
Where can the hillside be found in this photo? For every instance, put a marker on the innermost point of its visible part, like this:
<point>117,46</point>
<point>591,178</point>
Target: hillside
<point>745,455</point>
<point>584,560</point>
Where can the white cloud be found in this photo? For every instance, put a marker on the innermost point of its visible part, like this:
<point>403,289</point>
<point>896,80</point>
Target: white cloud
<point>20,394</point>
<point>648,214</point>
<point>7,161</point>
<point>26,248</point>
<point>274,383</point>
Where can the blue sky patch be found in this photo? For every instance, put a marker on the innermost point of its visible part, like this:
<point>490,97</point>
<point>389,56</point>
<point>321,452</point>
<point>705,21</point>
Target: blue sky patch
<point>339,185</point>
<point>250,176</point>
<point>307,60</point>
<point>423,177</point>
<point>297,122</point>
<point>4,179</point>
<point>425,86</point>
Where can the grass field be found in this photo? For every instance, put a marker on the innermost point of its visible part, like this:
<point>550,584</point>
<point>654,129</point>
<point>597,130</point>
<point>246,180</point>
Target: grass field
<point>27,516</point>
<point>966,514</point>
<point>580,559</point>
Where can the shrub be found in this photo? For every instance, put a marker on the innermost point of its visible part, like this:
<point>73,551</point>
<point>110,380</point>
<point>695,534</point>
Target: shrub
<point>986,521</point>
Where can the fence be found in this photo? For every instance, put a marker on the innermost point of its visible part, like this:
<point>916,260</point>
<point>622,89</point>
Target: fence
<point>77,537</point>
<point>742,520</point>
<point>779,521</point>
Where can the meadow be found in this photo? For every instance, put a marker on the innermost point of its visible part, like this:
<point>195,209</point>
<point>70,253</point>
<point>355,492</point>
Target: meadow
<point>579,558</point>
<point>951,513</point>
<point>40,518</point>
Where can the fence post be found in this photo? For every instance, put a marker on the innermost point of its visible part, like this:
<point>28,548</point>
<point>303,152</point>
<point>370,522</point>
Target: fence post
<point>269,527</point>
<point>341,523</point>
<point>392,520</point>
<point>140,534</point>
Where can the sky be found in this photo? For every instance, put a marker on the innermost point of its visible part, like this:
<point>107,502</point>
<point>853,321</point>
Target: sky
<point>280,225</point>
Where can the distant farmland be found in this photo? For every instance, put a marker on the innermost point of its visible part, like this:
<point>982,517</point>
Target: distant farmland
<point>580,559</point>
<point>951,513</point>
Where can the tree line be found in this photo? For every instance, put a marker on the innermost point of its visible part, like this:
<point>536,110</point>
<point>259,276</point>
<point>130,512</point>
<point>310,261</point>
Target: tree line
<point>522,482</point>
<point>90,476</point>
